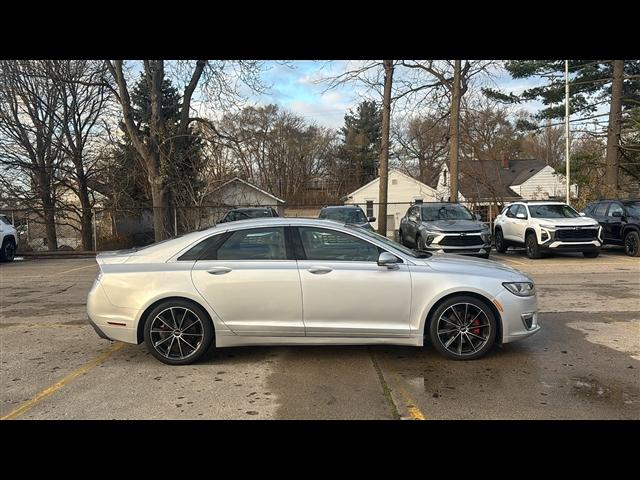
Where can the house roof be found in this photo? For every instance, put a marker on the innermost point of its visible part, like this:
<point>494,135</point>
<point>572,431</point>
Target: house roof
<point>392,170</point>
<point>481,179</point>
<point>238,179</point>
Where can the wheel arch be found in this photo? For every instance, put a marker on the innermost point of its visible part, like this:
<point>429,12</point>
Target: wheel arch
<point>9,236</point>
<point>143,318</point>
<point>482,298</point>
<point>630,228</point>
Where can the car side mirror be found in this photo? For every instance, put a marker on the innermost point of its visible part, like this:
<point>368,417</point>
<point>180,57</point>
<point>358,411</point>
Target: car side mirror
<point>389,260</point>
<point>521,216</point>
<point>617,214</point>
<point>371,219</point>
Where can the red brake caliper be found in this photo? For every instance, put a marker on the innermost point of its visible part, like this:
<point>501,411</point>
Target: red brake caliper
<point>475,331</point>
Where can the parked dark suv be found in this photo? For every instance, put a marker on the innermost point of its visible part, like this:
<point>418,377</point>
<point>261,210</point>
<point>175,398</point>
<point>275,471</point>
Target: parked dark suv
<point>247,213</point>
<point>620,221</point>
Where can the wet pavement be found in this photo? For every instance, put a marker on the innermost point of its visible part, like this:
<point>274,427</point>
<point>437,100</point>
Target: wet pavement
<point>584,363</point>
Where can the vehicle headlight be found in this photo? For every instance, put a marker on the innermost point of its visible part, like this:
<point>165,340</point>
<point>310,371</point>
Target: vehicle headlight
<point>521,289</point>
<point>485,234</point>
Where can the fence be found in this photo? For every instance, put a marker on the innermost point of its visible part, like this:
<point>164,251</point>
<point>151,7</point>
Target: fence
<point>113,229</point>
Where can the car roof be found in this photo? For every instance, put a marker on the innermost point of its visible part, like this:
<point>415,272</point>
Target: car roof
<point>328,207</point>
<point>249,208</point>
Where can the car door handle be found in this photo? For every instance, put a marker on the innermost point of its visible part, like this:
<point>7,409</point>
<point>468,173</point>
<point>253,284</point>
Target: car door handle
<point>319,270</point>
<point>219,270</point>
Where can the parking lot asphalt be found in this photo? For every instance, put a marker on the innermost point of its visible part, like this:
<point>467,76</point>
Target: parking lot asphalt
<point>584,364</point>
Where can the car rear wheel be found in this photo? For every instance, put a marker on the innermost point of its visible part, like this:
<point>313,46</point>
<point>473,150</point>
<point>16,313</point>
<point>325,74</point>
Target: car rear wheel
<point>632,244</point>
<point>178,332</point>
<point>532,247</point>
<point>501,245</point>
<point>8,251</point>
<point>463,328</point>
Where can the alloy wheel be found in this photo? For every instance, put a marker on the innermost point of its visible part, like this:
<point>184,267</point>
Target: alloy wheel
<point>463,329</point>
<point>631,245</point>
<point>176,333</point>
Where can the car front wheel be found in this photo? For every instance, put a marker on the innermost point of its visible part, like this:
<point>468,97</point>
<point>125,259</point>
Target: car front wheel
<point>8,251</point>
<point>178,332</point>
<point>463,328</point>
<point>532,247</point>
<point>632,244</point>
<point>501,245</point>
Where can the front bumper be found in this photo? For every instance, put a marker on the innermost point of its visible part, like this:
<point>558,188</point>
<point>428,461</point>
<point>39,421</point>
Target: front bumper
<point>560,246</point>
<point>519,316</point>
<point>442,243</point>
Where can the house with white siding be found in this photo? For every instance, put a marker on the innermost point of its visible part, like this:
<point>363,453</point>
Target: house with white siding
<point>402,192</point>
<point>484,186</point>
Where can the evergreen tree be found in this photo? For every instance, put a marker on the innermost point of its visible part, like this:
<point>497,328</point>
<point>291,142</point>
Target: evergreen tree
<point>361,143</point>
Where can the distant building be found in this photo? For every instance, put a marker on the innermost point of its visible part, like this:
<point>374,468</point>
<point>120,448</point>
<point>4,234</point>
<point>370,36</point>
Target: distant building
<point>403,191</point>
<point>484,184</point>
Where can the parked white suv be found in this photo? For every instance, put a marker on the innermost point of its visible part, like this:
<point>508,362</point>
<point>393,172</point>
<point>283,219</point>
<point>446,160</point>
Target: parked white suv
<point>546,227</point>
<point>8,240</point>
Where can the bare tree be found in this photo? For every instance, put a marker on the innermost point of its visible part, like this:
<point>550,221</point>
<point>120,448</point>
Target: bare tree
<point>83,101</point>
<point>217,83</point>
<point>29,151</point>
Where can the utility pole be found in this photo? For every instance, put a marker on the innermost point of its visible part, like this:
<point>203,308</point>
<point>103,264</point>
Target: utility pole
<point>454,138</point>
<point>566,127</point>
<point>384,147</point>
<point>614,128</point>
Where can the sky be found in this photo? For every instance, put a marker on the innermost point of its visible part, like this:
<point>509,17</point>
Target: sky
<point>294,86</point>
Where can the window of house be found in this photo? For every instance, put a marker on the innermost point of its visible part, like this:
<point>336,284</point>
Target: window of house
<point>369,208</point>
<point>394,181</point>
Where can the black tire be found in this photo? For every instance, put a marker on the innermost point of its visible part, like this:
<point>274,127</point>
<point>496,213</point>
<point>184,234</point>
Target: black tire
<point>632,244</point>
<point>501,244</point>
<point>532,247</point>
<point>420,246</point>
<point>591,254</point>
<point>440,340</point>
<point>485,255</point>
<point>205,327</point>
<point>8,250</point>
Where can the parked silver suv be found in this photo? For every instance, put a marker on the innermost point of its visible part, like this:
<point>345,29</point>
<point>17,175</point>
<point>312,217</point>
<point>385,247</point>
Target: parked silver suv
<point>445,227</point>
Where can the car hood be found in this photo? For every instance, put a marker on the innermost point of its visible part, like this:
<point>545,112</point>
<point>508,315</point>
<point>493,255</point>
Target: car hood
<point>569,222</point>
<point>444,262</point>
<point>454,225</point>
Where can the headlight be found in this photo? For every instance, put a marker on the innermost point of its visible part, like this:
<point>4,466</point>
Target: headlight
<point>521,289</point>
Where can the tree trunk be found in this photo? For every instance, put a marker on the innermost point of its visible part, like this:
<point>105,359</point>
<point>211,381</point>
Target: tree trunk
<point>50,224</point>
<point>161,213</point>
<point>86,224</point>
<point>613,131</point>
<point>384,147</point>
<point>454,127</point>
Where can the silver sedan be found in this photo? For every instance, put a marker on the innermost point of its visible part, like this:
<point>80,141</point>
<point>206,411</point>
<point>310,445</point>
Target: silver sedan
<point>285,281</point>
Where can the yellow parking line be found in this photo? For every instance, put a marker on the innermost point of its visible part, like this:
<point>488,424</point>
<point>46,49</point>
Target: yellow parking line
<point>79,268</point>
<point>514,261</point>
<point>58,385</point>
<point>414,412</point>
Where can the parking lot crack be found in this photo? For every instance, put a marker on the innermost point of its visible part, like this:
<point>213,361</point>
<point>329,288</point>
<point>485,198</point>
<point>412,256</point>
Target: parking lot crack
<point>385,388</point>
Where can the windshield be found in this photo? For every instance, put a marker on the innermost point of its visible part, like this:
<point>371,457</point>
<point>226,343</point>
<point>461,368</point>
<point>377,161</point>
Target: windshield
<point>245,214</point>
<point>431,213</point>
<point>5,219</point>
<point>633,209</point>
<point>552,211</point>
<point>344,215</point>
<point>391,243</point>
